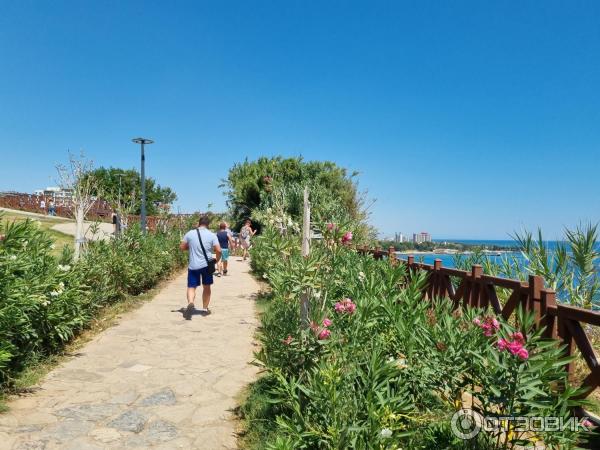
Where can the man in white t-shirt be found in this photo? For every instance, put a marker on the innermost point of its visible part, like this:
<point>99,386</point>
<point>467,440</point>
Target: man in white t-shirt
<point>198,268</point>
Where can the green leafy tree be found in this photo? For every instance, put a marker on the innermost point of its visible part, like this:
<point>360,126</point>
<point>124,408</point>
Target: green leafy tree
<point>121,186</point>
<point>276,184</point>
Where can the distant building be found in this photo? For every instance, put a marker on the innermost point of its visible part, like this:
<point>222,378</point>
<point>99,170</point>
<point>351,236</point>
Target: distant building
<point>399,238</point>
<point>423,236</point>
<point>58,195</point>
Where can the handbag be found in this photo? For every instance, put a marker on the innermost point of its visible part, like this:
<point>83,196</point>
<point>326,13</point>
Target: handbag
<point>211,263</point>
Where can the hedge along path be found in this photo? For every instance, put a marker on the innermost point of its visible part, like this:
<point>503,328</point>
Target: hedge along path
<point>153,381</point>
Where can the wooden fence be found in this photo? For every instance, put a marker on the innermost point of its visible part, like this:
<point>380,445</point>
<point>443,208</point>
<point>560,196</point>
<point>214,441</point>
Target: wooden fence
<point>475,289</point>
<point>32,203</point>
<point>101,210</point>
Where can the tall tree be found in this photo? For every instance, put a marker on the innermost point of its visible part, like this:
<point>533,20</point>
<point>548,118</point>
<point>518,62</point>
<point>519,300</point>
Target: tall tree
<point>78,177</point>
<point>278,183</point>
<point>122,187</point>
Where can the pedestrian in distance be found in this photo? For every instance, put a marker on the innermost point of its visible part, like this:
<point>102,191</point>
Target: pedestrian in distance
<point>43,205</point>
<point>204,253</point>
<point>226,243</point>
<point>246,234</point>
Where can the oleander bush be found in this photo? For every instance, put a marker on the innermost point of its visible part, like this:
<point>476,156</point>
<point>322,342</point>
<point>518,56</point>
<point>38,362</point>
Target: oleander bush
<point>45,301</point>
<point>380,367</point>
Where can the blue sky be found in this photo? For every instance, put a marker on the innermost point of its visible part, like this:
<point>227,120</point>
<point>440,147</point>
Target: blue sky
<point>465,119</point>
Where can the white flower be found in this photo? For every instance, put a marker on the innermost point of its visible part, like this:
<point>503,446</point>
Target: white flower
<point>361,276</point>
<point>61,286</point>
<point>46,302</point>
<point>317,294</point>
<point>54,294</point>
<point>385,433</point>
<point>52,246</point>
<point>13,257</point>
<point>64,268</point>
<point>265,276</point>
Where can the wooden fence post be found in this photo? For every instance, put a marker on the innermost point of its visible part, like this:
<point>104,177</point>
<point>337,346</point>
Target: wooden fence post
<point>548,310</point>
<point>304,300</point>
<point>436,290</point>
<point>392,254</point>
<point>536,283</point>
<point>475,292</point>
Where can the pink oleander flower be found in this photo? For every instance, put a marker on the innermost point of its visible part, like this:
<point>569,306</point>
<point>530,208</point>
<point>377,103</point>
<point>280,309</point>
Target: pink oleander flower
<point>347,237</point>
<point>514,347</point>
<point>502,344</point>
<point>324,334</point>
<point>327,322</point>
<point>489,325</point>
<point>587,423</point>
<point>330,226</point>
<point>345,306</point>
<point>518,336</point>
<point>288,340</point>
<point>523,354</point>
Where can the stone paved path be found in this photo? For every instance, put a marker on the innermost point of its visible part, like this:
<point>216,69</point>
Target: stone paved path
<point>153,381</point>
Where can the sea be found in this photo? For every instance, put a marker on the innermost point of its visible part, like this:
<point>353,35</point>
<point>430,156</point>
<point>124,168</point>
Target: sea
<point>448,260</point>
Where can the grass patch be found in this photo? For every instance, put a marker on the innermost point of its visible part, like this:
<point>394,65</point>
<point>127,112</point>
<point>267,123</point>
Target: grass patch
<point>107,317</point>
<point>254,402</point>
<point>256,414</point>
<point>46,224</point>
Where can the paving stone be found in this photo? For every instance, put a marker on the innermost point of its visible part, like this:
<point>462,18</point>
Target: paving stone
<point>80,375</point>
<point>29,428</point>
<point>31,445</point>
<point>105,435</point>
<point>126,398</point>
<point>89,412</point>
<point>38,418</point>
<point>139,368</point>
<point>82,444</point>
<point>163,397</point>
<point>129,421</point>
<point>68,429</point>
<point>160,431</point>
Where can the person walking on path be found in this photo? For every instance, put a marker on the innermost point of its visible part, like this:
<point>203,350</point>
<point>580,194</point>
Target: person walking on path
<point>226,243</point>
<point>245,234</point>
<point>43,206</point>
<point>204,252</point>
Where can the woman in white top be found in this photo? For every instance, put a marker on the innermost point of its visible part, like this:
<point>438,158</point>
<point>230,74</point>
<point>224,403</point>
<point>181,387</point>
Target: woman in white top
<point>245,234</point>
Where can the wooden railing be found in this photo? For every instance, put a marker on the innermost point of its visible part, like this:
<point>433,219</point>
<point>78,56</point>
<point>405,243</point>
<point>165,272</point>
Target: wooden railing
<point>475,289</point>
<point>32,203</point>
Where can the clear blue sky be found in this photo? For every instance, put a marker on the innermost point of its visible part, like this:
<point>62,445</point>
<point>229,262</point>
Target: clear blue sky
<point>465,119</point>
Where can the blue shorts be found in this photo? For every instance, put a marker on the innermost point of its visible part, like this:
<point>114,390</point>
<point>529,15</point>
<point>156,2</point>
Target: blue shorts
<point>224,254</point>
<point>197,275</point>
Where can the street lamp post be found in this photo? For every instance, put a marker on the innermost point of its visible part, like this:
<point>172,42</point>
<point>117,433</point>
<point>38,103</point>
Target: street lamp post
<point>142,142</point>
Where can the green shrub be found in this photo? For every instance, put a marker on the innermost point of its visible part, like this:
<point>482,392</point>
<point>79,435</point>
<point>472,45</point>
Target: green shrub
<point>381,367</point>
<point>45,301</point>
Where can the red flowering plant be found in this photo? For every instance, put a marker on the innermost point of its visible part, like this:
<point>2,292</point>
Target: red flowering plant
<point>336,234</point>
<point>518,373</point>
